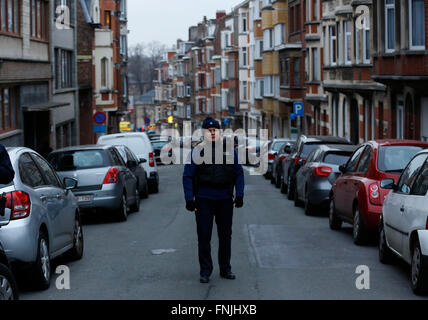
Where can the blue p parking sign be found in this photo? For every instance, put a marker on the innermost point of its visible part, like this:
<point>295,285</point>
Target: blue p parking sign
<point>298,109</point>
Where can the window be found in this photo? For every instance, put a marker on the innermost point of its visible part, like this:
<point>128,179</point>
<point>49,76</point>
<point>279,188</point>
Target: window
<point>63,68</point>
<point>268,86</point>
<point>420,187</point>
<point>416,24</point>
<point>259,49</point>
<point>267,39</point>
<point>29,173</point>
<point>315,65</point>
<point>350,166</point>
<point>49,174</point>
<point>338,39</point>
<point>279,34</point>
<point>39,19</point>
<point>389,25</point>
<point>189,91</point>
<point>244,22</point>
<point>394,159</point>
<point>107,19</point>
<point>244,56</point>
<point>9,16</point>
<point>123,45</point>
<point>366,43</point>
<point>296,72</point>
<point>8,109</point>
<point>104,73</point>
<point>333,44</point>
<point>347,25</point>
<point>244,90</point>
<point>363,164</point>
<point>259,89</point>
<point>410,174</point>
<point>285,71</point>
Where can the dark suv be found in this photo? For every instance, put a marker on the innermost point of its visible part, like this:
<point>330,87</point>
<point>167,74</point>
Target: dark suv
<point>300,152</point>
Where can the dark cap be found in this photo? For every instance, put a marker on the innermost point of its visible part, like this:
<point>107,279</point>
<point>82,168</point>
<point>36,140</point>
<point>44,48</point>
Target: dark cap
<point>210,123</point>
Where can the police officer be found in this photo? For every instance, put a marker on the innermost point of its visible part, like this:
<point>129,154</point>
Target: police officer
<point>208,190</point>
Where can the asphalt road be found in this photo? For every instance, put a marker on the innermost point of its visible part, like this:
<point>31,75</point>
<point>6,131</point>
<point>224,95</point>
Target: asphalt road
<point>277,253</point>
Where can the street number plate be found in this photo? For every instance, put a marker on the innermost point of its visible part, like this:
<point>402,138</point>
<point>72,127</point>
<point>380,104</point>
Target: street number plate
<point>85,198</point>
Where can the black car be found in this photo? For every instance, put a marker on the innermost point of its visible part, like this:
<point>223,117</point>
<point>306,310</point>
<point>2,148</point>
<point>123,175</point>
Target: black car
<point>284,151</point>
<point>8,287</point>
<point>301,150</point>
<point>158,145</point>
<point>315,179</point>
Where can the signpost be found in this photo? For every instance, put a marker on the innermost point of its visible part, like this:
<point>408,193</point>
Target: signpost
<point>100,119</point>
<point>298,109</point>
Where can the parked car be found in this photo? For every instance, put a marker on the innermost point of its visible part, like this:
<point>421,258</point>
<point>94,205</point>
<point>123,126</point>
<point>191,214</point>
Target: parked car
<point>357,196</point>
<point>140,144</point>
<point>8,287</point>
<point>283,152</point>
<point>104,181</point>
<point>158,145</point>
<point>315,178</point>
<point>154,137</point>
<point>41,219</point>
<point>301,150</point>
<point>137,168</point>
<point>273,151</point>
<point>404,221</point>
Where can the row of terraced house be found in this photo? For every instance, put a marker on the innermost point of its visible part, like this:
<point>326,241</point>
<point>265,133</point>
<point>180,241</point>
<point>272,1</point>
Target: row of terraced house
<point>360,67</point>
<point>60,62</point>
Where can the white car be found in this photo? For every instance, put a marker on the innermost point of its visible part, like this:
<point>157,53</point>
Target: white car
<point>404,221</point>
<point>140,144</point>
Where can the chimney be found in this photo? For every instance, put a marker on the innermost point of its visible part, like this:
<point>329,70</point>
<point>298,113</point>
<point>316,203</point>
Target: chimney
<point>220,14</point>
<point>205,19</point>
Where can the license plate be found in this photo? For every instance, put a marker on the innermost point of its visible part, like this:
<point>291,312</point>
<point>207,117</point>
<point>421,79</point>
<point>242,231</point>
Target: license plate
<point>85,198</point>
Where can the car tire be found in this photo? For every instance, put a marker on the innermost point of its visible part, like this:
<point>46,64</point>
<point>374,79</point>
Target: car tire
<point>290,189</point>
<point>334,221</point>
<point>8,287</point>
<point>278,181</point>
<point>419,273</point>
<point>42,268</point>
<point>145,193</point>
<point>297,202</point>
<point>308,206</point>
<point>136,206</point>
<point>122,212</point>
<point>154,188</point>
<point>283,186</point>
<point>76,253</point>
<point>272,179</point>
<point>359,230</point>
<point>386,256</point>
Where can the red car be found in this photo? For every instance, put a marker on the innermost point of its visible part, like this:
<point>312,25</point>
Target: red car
<point>356,196</point>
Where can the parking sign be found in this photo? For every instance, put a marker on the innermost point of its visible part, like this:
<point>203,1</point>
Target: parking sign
<point>298,109</point>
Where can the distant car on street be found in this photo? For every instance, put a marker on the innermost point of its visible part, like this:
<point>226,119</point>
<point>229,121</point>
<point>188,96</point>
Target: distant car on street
<point>357,196</point>
<point>273,151</point>
<point>283,152</point>
<point>404,222</point>
<point>104,181</point>
<point>158,146</point>
<point>41,220</point>
<point>315,178</point>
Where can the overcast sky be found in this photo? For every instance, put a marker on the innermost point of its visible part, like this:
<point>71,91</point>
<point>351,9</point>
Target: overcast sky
<point>167,20</point>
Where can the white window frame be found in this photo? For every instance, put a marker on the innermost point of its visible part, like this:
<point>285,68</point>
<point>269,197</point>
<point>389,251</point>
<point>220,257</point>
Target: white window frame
<point>244,57</point>
<point>258,54</point>
<point>315,65</point>
<point>332,50</point>
<point>366,59</point>
<point>244,86</point>
<point>414,47</point>
<point>347,42</point>
<point>389,7</point>
<point>267,39</point>
<point>268,86</point>
<point>244,22</point>
<point>279,37</point>
<point>357,45</point>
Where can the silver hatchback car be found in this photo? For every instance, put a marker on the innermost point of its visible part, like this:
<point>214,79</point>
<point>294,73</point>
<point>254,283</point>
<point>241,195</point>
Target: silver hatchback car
<point>40,218</point>
<point>104,181</point>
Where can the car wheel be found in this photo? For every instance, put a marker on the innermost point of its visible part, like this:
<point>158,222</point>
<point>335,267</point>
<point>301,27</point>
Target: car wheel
<point>359,230</point>
<point>333,220</point>
<point>308,205</point>
<point>154,187</point>
<point>8,287</point>
<point>136,206</point>
<point>297,202</point>
<point>278,180</point>
<point>283,186</point>
<point>290,189</point>
<point>419,274</point>
<point>42,268</point>
<point>76,252</point>
<point>122,212</point>
<point>385,254</point>
<point>145,192</point>
<point>272,179</point>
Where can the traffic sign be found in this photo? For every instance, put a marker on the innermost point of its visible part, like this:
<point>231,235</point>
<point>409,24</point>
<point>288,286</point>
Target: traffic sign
<point>100,117</point>
<point>100,128</point>
<point>292,116</point>
<point>147,121</point>
<point>298,109</point>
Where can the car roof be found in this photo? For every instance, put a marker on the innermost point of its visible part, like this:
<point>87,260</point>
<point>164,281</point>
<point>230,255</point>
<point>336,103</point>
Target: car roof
<point>326,139</point>
<point>84,147</point>
<point>124,134</point>
<point>395,142</point>
<point>338,147</point>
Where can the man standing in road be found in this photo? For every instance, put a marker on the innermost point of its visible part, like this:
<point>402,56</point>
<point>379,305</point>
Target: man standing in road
<point>208,189</point>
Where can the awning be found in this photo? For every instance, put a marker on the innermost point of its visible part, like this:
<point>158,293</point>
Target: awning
<point>45,106</point>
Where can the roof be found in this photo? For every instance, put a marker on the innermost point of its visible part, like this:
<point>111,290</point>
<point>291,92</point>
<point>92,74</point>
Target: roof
<point>148,97</point>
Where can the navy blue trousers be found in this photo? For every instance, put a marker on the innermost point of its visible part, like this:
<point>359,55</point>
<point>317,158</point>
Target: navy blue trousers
<point>222,211</point>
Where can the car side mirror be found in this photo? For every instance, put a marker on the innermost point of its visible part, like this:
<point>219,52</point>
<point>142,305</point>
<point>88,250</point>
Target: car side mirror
<point>342,168</point>
<point>388,184</point>
<point>70,183</point>
<point>142,160</point>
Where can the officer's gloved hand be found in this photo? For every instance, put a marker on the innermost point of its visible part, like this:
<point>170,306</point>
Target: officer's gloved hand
<point>239,202</point>
<point>190,205</point>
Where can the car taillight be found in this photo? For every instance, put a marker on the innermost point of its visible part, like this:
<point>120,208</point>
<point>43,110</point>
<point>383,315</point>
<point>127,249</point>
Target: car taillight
<point>322,171</point>
<point>19,203</point>
<point>111,176</point>
<point>374,194</point>
<point>151,160</point>
<point>271,156</point>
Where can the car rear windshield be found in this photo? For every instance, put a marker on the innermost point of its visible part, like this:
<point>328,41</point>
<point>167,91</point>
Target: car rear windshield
<point>277,145</point>
<point>307,149</point>
<point>337,158</point>
<point>136,144</point>
<point>395,158</point>
<point>77,160</point>
<point>159,144</point>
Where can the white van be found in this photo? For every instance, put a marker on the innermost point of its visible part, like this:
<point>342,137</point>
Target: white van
<point>140,144</point>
